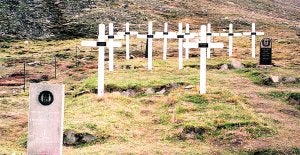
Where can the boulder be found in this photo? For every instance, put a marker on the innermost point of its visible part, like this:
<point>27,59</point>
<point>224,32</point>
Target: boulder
<point>224,67</point>
<point>275,79</point>
<point>149,91</point>
<point>289,80</point>
<point>129,93</point>
<point>71,138</point>
<point>236,64</point>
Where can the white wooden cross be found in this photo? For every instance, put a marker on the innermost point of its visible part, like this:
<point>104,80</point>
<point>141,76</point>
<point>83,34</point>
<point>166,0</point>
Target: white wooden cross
<point>203,45</point>
<point>127,34</point>
<point>209,38</point>
<point>187,37</point>
<point>165,35</point>
<point>230,37</point>
<point>101,44</point>
<point>149,37</point>
<point>253,34</point>
<point>180,37</point>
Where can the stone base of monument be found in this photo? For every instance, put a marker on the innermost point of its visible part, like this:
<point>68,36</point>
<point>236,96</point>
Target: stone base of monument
<point>264,66</point>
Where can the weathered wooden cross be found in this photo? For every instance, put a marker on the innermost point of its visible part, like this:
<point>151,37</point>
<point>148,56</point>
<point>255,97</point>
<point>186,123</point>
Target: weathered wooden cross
<point>187,37</point>
<point>127,34</point>
<point>203,45</point>
<point>253,35</point>
<point>101,44</point>
<point>165,35</point>
<point>209,38</point>
<point>180,36</point>
<point>149,38</point>
<point>230,37</point>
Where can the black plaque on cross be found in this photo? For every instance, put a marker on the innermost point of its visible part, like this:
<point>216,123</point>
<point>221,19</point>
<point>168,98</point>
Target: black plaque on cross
<point>265,56</point>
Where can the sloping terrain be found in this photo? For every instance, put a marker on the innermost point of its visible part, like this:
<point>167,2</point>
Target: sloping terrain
<point>49,19</point>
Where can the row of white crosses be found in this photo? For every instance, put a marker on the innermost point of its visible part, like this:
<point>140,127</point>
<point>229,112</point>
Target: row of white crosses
<point>230,35</point>
<point>102,43</point>
<point>205,45</point>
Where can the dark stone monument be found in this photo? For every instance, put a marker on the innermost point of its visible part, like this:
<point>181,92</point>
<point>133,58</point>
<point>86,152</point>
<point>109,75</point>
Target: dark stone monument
<point>265,56</point>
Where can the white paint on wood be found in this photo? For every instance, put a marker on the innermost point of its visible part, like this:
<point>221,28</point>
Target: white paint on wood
<point>187,40</point>
<point>208,39</point>
<point>101,54</point>
<point>203,61</point>
<point>111,48</point>
<point>165,46</point>
<point>253,34</point>
<point>180,45</point>
<point>127,42</point>
<point>101,62</point>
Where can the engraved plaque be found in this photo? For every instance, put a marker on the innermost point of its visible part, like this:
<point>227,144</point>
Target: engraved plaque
<point>45,124</point>
<point>265,56</point>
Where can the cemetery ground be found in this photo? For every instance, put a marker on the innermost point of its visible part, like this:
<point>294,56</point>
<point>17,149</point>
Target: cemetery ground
<point>159,111</point>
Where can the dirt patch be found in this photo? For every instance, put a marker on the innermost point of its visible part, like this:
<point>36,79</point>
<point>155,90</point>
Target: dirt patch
<point>290,112</point>
<point>192,132</point>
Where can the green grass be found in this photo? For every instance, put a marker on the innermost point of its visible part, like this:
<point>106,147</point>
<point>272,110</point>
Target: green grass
<point>152,122</point>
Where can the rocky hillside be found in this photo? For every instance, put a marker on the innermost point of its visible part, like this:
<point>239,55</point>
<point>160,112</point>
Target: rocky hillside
<point>79,18</point>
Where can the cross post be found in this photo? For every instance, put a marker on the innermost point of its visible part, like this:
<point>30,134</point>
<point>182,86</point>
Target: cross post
<point>180,36</point>
<point>253,35</point>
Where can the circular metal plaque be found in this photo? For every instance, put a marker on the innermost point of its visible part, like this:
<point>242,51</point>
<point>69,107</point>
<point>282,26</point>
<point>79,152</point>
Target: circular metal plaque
<point>46,98</point>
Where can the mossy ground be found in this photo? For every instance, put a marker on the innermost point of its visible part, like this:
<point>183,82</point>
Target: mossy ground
<point>236,116</point>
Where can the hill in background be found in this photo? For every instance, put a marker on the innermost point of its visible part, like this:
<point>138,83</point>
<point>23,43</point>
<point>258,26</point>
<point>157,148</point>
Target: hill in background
<point>77,18</point>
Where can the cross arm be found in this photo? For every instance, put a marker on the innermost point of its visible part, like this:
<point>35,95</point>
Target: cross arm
<point>132,33</point>
<point>100,44</point>
<point>230,34</point>
<point>203,45</point>
<point>253,33</point>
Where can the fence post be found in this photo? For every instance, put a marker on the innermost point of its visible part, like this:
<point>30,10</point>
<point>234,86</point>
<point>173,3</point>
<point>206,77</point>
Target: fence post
<point>55,66</point>
<point>24,88</point>
<point>76,57</point>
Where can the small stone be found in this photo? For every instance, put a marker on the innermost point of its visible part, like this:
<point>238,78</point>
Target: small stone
<point>289,80</point>
<point>80,93</point>
<point>236,64</point>
<point>224,67</point>
<point>116,93</point>
<point>88,138</point>
<point>274,78</point>
<point>161,92</point>
<point>149,91</point>
<point>69,138</point>
<point>131,57</point>
<point>129,93</point>
<point>189,87</point>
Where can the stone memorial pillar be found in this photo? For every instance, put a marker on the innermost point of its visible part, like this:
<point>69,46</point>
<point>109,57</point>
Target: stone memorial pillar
<point>45,124</point>
<point>265,56</point>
